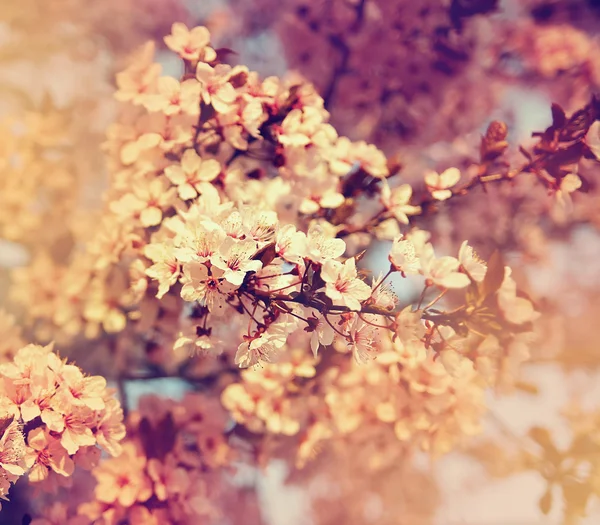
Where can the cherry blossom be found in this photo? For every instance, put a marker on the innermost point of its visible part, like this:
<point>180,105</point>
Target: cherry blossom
<point>403,256</point>
<point>192,45</point>
<point>439,184</point>
<point>442,271</point>
<point>235,259</point>
<point>342,285</point>
<point>191,173</point>
<point>216,90</point>
<point>397,201</point>
<point>205,286</point>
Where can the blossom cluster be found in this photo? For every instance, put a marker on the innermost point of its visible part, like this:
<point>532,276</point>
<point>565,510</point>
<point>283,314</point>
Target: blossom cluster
<point>425,406</point>
<point>233,226</point>
<point>234,243</point>
<point>377,89</point>
<point>55,418</point>
<point>12,454</point>
<point>35,192</point>
<point>233,262</point>
<point>234,198</point>
<point>422,354</point>
<point>169,470</point>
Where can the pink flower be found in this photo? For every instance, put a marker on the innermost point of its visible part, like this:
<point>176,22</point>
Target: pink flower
<point>199,241</point>
<point>45,453</point>
<point>165,269</point>
<point>346,153</point>
<point>140,78</point>
<point>110,429</point>
<point>57,515</point>
<point>12,453</point>
<point>516,310</point>
<point>72,410</point>
<point>123,480</point>
<point>80,390</point>
<point>471,263</point>
<point>168,478</point>
<point>174,97</point>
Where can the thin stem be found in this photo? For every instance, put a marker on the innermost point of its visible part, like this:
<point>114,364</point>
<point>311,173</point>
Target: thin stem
<point>124,398</point>
<point>261,277</point>
<point>422,296</point>
<point>285,287</point>
<point>436,299</point>
<point>373,324</point>
<point>252,318</point>
<point>334,328</point>
<point>298,317</point>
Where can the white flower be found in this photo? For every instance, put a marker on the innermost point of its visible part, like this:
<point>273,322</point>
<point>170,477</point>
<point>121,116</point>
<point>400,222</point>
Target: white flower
<point>207,287</point>
<point>410,353</point>
<point>342,285</point>
<point>323,334</point>
<point>165,268</point>
<point>216,89</point>
<point>382,294</point>
<point>260,225</point>
<point>472,264</point>
<point>409,326</point>
<point>403,256</point>
<point>299,126</point>
<point>265,347</point>
<point>199,242</point>
<point>191,173</point>
<point>235,259</point>
<point>442,272</point>
<point>516,310</point>
<point>397,201</point>
<point>233,225</point>
<point>290,244</point>
<point>419,238</point>
<point>438,184</point>
<point>455,363</point>
<point>362,341</point>
<point>487,358</point>
<point>569,184</point>
<point>592,139</point>
<point>320,247</point>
